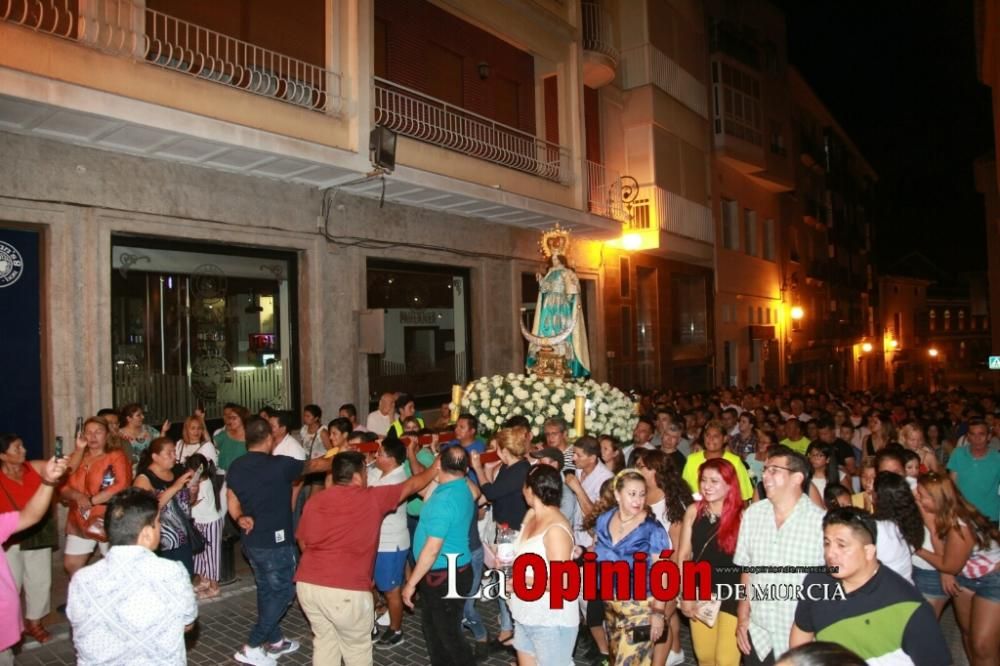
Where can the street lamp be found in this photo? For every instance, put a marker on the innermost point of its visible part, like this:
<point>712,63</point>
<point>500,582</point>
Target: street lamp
<point>797,312</point>
<point>892,344</point>
<point>866,347</point>
<point>932,352</point>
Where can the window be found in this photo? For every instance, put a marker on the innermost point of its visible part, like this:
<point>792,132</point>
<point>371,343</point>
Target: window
<point>767,315</point>
<point>750,230</point>
<point>741,111</point>
<point>760,315</point>
<point>625,272</point>
<point>769,240</point>
<point>932,322</point>
<point>793,245</point>
<point>947,320</point>
<point>690,305</point>
<point>750,315</point>
<point>730,225</point>
<point>201,325</point>
<point>961,320</point>
<point>777,139</point>
<point>425,323</point>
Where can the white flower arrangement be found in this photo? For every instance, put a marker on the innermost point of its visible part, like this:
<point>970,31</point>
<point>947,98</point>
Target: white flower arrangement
<point>492,400</point>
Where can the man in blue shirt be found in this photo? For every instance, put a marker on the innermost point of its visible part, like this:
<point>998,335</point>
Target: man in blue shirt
<point>444,530</point>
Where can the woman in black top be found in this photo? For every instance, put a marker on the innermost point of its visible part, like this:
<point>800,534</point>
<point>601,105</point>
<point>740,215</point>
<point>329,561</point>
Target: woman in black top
<point>159,474</point>
<point>709,532</point>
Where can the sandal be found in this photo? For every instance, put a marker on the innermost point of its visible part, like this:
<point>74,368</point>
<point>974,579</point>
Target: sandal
<point>37,631</point>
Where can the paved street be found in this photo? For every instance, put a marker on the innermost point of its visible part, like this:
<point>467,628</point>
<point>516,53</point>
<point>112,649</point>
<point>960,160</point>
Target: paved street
<point>223,623</point>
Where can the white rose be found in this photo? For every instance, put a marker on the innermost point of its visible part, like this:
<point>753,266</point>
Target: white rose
<point>509,399</point>
<point>495,402</point>
<point>568,410</point>
<point>539,420</point>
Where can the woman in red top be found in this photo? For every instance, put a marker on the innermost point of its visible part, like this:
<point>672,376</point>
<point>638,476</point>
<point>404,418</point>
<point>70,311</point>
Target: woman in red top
<point>32,564</point>
<point>103,472</point>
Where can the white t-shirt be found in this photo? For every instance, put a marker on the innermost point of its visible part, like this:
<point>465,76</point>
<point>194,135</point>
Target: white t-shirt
<point>892,549</point>
<point>289,446</point>
<point>378,422</point>
<point>919,562</point>
<point>394,535</point>
<point>312,444</point>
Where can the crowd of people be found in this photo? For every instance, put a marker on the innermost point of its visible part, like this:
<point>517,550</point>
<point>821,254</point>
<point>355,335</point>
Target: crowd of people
<point>838,525</point>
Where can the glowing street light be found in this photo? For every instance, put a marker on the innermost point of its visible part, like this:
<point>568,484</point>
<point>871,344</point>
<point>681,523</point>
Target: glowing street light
<point>797,312</point>
<point>866,347</point>
<point>933,352</point>
<point>892,344</point>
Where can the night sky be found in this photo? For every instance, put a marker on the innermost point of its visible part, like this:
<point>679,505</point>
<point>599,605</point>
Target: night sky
<point>901,79</point>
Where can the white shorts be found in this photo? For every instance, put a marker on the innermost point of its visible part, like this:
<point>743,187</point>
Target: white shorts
<point>79,546</point>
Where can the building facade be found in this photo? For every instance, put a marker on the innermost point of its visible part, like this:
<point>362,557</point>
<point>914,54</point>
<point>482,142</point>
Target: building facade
<point>188,201</point>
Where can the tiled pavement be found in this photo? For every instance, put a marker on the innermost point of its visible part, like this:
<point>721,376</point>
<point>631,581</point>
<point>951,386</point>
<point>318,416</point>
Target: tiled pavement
<point>223,623</point>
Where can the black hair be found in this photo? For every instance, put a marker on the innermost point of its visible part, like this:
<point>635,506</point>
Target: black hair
<point>648,421</point>
<point>315,410</point>
<point>6,439</point>
<point>887,453</point>
<point>830,453</point>
<point>155,448</point>
<point>470,421</point>
<point>909,456</point>
<point>345,465</point>
<point>394,449</point>
<point>341,423</point>
<point>267,412</point>
<point>861,522</point>
<point>199,463</point>
<point>129,511</point>
<point>821,653</point>
<point>894,501</point>
<point>546,484</point>
<point>454,459</point>
<point>832,492</point>
<point>588,446</point>
<point>350,409</point>
<point>403,400</point>
<point>106,411</point>
<point>516,421</point>
<point>283,417</point>
<point>256,430</point>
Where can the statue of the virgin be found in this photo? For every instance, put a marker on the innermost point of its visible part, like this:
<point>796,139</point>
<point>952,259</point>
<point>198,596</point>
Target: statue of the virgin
<point>558,332</point>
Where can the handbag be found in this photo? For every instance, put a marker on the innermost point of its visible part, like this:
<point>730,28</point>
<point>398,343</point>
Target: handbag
<point>42,534</point>
<point>707,611</point>
<point>194,537</point>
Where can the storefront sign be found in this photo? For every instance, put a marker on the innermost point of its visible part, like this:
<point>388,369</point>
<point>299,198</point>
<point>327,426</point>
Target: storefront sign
<point>11,264</point>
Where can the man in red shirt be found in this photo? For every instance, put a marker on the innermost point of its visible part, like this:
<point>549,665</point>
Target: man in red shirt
<point>339,536</point>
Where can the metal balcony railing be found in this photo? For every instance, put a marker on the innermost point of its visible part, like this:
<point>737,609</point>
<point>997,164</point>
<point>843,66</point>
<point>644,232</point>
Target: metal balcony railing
<point>598,31</point>
<point>604,192</point>
<point>122,27</point>
<point>680,216</point>
<point>419,116</point>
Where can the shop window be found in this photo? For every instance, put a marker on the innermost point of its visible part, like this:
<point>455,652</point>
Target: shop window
<point>192,327</point>
<point>425,328</point>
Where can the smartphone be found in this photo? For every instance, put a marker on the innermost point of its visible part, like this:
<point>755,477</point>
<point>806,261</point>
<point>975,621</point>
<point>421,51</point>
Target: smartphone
<point>79,427</point>
<point>642,634</point>
<point>59,447</point>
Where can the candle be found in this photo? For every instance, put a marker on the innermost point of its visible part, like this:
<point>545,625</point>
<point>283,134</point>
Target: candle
<point>578,422</point>
<point>456,402</point>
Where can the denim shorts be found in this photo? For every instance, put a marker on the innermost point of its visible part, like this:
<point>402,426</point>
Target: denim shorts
<point>928,581</point>
<point>548,645</point>
<point>987,587</point>
<point>389,566</point>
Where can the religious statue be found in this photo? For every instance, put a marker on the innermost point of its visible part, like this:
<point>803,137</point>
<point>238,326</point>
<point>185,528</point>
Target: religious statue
<point>557,342</point>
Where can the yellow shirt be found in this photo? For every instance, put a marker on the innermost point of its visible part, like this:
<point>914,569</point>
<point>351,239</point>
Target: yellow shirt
<point>695,460</point>
<point>800,445</point>
<point>331,452</point>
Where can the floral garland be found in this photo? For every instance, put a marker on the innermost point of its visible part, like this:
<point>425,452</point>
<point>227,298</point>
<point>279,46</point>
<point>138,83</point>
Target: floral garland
<point>493,400</point>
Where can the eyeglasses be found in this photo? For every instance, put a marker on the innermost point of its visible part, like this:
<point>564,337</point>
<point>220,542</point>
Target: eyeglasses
<point>773,469</point>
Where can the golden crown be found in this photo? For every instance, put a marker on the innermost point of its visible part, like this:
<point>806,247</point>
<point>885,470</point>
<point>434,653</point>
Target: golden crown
<point>555,241</point>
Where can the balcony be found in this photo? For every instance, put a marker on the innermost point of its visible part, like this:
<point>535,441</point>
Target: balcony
<point>604,192</point>
<point>645,64</point>
<point>130,30</point>
<point>674,214</point>
<point>737,117</point>
<point>424,118</point>
<point>600,57</point>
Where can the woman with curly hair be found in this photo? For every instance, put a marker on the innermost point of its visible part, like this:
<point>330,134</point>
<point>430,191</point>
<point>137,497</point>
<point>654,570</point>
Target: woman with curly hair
<point>619,533</point>
<point>709,532</point>
<point>900,528</point>
<point>667,496</point>
<point>967,553</point>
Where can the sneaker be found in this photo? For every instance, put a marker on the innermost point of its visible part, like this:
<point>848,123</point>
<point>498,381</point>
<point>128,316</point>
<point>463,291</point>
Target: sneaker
<point>254,656</point>
<point>390,639</point>
<point>286,646</point>
<point>675,658</point>
<point>383,619</point>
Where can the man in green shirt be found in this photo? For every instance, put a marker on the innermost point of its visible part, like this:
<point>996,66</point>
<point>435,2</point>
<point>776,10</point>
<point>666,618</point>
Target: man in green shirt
<point>794,439</point>
<point>715,447</point>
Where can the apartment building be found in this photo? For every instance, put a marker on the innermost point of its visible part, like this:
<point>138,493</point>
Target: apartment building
<point>827,273</point>
<point>987,172</point>
<point>190,214</point>
<point>904,314</point>
<point>752,170</point>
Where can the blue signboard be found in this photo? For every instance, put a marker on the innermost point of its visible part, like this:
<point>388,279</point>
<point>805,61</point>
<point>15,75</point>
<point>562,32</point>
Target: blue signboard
<point>994,362</point>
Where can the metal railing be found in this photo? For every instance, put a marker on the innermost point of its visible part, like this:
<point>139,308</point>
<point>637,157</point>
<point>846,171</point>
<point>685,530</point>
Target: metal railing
<point>604,192</point>
<point>123,27</point>
<point>675,214</point>
<point>645,64</point>
<point>419,116</point>
<point>598,30</point>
